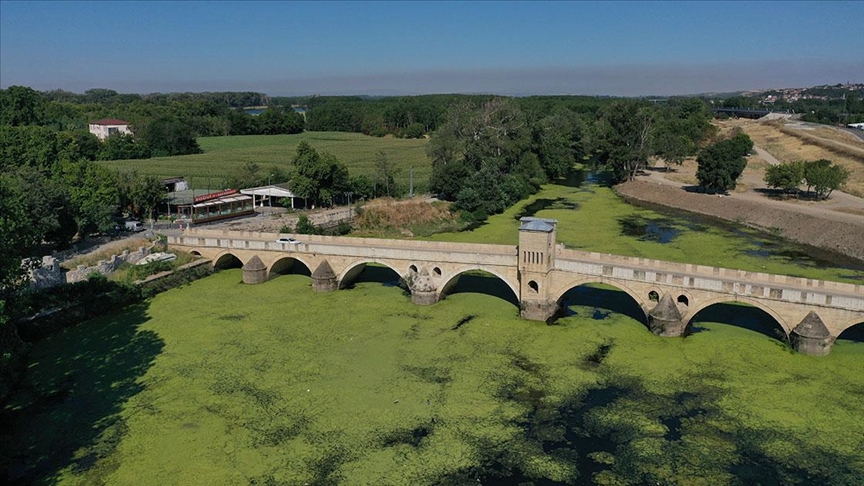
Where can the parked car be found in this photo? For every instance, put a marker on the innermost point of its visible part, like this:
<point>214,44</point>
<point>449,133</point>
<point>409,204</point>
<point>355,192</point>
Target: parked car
<point>290,241</point>
<point>134,226</point>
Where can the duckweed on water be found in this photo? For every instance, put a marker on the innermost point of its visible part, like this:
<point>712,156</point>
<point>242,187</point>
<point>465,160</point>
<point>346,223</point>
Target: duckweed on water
<point>224,383</point>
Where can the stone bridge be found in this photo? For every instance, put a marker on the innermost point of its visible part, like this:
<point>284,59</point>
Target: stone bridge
<point>812,313</point>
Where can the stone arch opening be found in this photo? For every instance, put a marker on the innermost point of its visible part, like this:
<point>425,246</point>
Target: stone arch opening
<point>289,266</point>
<point>853,333</point>
<point>370,272</point>
<point>653,296</point>
<point>227,260</point>
<point>682,299</point>
<point>598,301</point>
<point>413,268</point>
<point>195,253</point>
<point>533,286</point>
<point>436,271</point>
<point>746,315</point>
<point>477,281</point>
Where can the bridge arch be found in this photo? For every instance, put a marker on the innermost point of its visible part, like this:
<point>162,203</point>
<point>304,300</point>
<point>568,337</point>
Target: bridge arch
<point>226,259</point>
<point>286,264</point>
<point>354,269</point>
<point>451,278</point>
<point>855,325</point>
<point>640,301</point>
<point>726,299</point>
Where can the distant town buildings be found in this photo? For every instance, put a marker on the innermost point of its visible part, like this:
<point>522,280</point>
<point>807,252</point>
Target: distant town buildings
<point>109,126</point>
<point>824,93</point>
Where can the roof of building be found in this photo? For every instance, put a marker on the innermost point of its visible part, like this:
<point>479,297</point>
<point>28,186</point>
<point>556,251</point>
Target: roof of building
<point>222,200</point>
<point>538,224</point>
<point>109,121</point>
<point>171,180</point>
<point>188,196</point>
<point>273,190</point>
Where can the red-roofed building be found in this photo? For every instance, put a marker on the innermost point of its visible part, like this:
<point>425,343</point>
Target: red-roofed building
<point>109,126</point>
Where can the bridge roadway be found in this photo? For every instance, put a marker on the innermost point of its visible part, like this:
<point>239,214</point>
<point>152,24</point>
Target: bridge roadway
<point>812,313</point>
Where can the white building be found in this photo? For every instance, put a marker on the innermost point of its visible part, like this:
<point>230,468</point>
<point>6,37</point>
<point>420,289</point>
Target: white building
<point>109,126</point>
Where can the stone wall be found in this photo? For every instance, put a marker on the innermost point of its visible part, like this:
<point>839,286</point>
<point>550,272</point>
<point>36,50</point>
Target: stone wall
<point>48,275</point>
<point>105,267</point>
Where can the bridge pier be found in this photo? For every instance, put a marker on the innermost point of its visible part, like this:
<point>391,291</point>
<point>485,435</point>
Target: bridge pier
<point>254,271</point>
<point>534,310</point>
<point>423,289</point>
<point>811,336</point>
<point>665,319</point>
<point>324,278</point>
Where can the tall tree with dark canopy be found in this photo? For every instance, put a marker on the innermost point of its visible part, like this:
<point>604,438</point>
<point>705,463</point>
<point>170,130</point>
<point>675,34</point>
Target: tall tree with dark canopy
<point>623,135</point>
<point>721,164</point>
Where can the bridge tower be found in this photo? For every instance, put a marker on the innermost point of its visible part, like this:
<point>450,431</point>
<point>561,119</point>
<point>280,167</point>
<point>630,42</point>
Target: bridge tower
<point>536,260</point>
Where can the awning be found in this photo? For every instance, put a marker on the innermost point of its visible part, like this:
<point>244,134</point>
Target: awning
<point>222,200</point>
<point>270,191</point>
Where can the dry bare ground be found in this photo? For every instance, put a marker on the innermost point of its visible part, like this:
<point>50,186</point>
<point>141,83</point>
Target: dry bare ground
<point>836,224</point>
<point>788,144</point>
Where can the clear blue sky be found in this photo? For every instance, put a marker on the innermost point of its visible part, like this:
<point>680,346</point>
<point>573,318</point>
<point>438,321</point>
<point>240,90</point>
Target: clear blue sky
<point>627,48</point>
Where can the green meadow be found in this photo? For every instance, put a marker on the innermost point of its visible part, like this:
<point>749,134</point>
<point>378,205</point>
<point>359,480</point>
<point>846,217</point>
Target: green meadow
<point>225,155</point>
<point>220,383</point>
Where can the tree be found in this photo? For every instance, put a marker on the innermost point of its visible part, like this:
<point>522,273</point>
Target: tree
<point>624,131</point>
<point>139,194</point>
<point>20,105</point>
<point>94,193</point>
<point>277,119</point>
<point>558,142</point>
<point>490,140</point>
<point>384,178</point>
<point>123,146</point>
<point>786,177</point>
<point>824,177</point>
<point>169,136</point>
<point>721,164</point>
<point>317,177</point>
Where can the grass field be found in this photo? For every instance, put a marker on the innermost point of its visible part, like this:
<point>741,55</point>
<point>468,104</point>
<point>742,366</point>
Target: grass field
<point>220,383</point>
<point>225,155</point>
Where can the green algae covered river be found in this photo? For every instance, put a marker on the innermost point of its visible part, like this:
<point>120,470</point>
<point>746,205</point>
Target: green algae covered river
<point>223,383</point>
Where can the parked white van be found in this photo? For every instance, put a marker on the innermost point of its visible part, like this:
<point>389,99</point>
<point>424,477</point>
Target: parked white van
<point>134,226</point>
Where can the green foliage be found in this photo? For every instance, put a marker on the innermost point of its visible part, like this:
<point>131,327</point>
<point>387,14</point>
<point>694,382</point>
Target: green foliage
<point>320,178</point>
<point>305,226</point>
<point>721,164</point>
<point>414,130</point>
<point>824,177</point>
<point>384,181</point>
<point>479,156</point>
<point>622,137</point>
<point>139,194</point>
<point>277,119</point>
<point>20,105</point>
<point>94,194</point>
<point>120,146</point>
<point>169,136</point>
<point>786,177</point>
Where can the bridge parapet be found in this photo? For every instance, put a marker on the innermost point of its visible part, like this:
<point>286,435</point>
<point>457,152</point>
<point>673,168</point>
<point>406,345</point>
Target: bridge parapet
<point>705,273</point>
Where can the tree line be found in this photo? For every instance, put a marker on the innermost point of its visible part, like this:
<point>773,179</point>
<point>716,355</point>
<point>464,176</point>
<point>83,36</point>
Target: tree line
<point>488,155</point>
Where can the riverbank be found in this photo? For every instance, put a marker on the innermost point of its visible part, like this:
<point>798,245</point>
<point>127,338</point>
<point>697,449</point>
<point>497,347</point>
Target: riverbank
<point>844,236</point>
